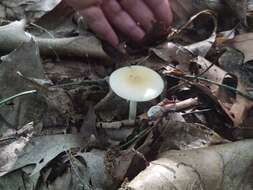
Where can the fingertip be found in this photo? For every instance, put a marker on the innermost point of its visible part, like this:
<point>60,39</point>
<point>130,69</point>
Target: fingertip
<point>112,39</point>
<point>128,26</point>
<point>162,10</point>
<point>137,34</point>
<point>140,13</point>
<point>99,24</point>
<point>122,21</point>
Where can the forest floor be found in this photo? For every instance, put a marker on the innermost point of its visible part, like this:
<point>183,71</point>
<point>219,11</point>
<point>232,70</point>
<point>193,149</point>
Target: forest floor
<point>63,127</point>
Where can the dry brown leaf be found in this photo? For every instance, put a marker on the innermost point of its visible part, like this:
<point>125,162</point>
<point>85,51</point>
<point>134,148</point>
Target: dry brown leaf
<point>170,52</point>
<point>240,108</point>
<point>183,9</point>
<point>239,8</point>
<point>244,43</point>
<point>213,72</point>
<point>32,9</point>
<point>234,63</point>
<point>218,167</point>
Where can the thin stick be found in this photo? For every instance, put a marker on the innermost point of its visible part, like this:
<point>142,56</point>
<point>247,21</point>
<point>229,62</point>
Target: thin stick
<point>116,124</point>
<point>101,82</point>
<point>197,111</point>
<point>177,106</point>
<point>137,137</point>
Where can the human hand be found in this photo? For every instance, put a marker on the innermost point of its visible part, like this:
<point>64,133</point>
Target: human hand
<point>133,18</point>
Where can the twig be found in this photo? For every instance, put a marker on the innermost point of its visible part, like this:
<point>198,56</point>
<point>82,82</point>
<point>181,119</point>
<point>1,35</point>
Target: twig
<point>43,29</point>
<point>160,109</point>
<point>101,82</point>
<point>2,102</point>
<point>21,132</point>
<point>116,124</point>
<point>181,105</point>
<point>49,34</point>
<point>138,136</point>
<point>197,111</point>
<point>142,156</point>
<point>35,84</point>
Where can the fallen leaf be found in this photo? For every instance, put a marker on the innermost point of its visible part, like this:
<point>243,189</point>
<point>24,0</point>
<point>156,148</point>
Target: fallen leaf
<point>27,108</point>
<point>39,151</point>
<point>233,62</point>
<point>185,136</point>
<point>243,42</point>
<point>191,169</point>
<point>32,9</point>
<point>13,35</point>
<point>239,8</point>
<point>18,180</point>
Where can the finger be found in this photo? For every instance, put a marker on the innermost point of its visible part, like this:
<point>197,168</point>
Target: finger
<point>99,24</point>
<point>140,12</point>
<point>121,20</point>
<point>161,10</point>
<point>82,4</point>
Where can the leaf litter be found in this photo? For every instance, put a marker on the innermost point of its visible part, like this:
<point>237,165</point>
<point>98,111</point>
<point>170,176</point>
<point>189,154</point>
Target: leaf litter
<point>73,133</point>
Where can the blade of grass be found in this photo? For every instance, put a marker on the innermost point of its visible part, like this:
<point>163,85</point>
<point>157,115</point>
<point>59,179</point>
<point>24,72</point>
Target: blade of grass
<point>4,101</point>
<point>248,96</point>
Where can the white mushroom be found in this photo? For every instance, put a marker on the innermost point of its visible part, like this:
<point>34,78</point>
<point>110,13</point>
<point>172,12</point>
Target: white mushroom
<point>136,84</point>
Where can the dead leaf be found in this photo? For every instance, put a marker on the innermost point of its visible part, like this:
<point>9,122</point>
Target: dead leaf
<point>233,62</point>
<point>27,108</point>
<point>243,42</point>
<point>111,107</point>
<point>183,9</point>
<point>18,180</point>
<point>75,177</point>
<point>98,171</point>
<point>60,108</point>
<point>13,34</point>
<point>239,8</point>
<point>38,151</point>
<point>190,169</point>
<point>185,136</point>
<point>32,9</point>
<point>9,153</point>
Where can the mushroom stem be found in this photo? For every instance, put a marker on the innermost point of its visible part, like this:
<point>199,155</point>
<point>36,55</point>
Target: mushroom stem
<point>132,110</point>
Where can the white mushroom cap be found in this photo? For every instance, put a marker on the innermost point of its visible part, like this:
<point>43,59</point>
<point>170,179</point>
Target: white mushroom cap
<point>136,83</point>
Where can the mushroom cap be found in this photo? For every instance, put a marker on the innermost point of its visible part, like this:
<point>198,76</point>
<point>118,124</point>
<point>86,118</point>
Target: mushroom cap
<point>136,83</point>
